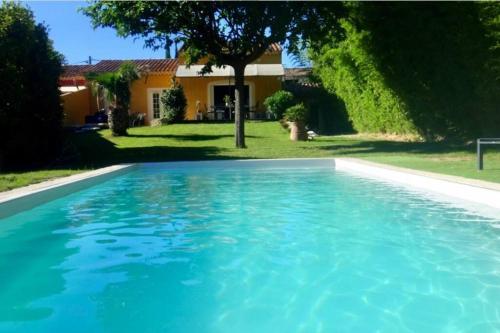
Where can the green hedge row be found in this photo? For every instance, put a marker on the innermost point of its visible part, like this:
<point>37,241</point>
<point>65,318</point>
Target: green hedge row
<point>430,69</point>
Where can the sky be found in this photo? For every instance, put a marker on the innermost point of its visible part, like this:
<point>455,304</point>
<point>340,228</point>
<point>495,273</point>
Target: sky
<point>73,35</point>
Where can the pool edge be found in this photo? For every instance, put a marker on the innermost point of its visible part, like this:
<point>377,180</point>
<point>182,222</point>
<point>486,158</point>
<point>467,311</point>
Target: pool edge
<point>480,192</point>
<point>27,197</point>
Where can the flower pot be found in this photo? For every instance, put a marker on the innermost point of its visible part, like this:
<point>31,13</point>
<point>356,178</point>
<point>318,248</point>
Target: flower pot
<point>297,131</point>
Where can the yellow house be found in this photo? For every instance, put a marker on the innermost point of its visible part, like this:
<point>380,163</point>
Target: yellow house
<point>146,91</point>
<point>206,95</point>
<point>75,95</point>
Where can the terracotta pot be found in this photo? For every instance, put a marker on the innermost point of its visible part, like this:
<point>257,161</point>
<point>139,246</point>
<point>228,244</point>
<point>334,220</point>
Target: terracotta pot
<point>297,131</point>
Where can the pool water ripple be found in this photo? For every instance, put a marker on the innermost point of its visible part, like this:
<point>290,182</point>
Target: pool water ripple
<point>253,250</point>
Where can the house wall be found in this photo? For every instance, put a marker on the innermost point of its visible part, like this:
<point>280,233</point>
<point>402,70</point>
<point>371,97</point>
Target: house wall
<point>139,91</point>
<point>77,105</point>
<point>269,58</point>
<point>197,89</point>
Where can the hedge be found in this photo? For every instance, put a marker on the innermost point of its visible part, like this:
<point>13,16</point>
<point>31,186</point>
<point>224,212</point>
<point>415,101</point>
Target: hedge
<point>412,68</point>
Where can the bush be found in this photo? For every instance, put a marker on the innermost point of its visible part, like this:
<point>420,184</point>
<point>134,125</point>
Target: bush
<point>327,113</point>
<point>428,69</point>
<point>30,108</point>
<point>349,71</point>
<point>296,113</point>
<point>278,102</point>
<point>174,104</point>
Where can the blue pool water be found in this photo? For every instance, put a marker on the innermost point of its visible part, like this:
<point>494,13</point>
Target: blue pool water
<point>248,250</point>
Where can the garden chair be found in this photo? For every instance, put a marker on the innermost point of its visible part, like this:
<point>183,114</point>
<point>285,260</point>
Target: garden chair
<point>136,119</point>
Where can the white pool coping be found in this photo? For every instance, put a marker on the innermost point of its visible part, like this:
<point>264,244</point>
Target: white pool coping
<point>27,197</point>
<point>469,190</point>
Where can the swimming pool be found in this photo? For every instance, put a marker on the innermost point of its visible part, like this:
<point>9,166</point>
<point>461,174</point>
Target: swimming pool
<point>211,248</point>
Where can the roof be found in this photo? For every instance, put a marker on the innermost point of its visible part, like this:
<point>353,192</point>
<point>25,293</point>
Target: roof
<point>72,81</point>
<point>274,47</point>
<point>228,71</point>
<point>151,65</point>
<point>297,73</point>
<point>75,70</point>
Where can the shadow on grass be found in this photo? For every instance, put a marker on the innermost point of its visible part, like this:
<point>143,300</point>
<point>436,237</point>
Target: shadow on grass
<point>91,150</point>
<point>187,137</point>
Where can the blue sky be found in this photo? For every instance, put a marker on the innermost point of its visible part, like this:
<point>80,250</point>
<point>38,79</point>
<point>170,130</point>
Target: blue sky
<point>74,36</point>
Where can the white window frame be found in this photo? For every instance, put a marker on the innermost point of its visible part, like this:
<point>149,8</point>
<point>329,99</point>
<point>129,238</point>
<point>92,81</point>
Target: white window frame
<point>150,93</point>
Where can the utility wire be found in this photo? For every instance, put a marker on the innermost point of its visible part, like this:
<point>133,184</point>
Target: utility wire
<point>89,61</point>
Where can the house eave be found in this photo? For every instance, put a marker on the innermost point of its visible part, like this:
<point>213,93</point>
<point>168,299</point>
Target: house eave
<point>227,71</point>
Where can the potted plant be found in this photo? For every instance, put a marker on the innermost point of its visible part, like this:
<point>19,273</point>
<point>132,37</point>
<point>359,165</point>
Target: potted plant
<point>227,101</point>
<point>296,117</point>
<point>277,103</point>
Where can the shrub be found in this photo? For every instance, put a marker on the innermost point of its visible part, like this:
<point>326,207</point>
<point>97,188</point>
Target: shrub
<point>327,113</point>
<point>296,113</point>
<point>278,102</point>
<point>427,69</point>
<point>30,108</point>
<point>174,104</point>
<point>349,71</point>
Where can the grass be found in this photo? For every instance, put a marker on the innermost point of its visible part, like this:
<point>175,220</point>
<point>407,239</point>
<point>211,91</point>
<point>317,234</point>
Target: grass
<point>12,180</point>
<point>264,140</point>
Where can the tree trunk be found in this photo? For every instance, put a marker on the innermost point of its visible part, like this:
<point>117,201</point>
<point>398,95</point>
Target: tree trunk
<point>239,115</point>
<point>118,119</point>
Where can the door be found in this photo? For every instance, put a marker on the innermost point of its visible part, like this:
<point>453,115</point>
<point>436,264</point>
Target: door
<point>155,107</point>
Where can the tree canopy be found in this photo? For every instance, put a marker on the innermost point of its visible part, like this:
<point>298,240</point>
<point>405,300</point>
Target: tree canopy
<point>226,33</point>
<point>30,110</point>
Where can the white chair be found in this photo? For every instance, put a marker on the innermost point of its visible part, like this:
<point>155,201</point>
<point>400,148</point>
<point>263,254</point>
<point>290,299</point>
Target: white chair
<point>311,135</point>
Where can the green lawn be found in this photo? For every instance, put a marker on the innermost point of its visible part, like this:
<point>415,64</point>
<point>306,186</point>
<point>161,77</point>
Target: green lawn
<point>264,140</point>
<point>12,180</point>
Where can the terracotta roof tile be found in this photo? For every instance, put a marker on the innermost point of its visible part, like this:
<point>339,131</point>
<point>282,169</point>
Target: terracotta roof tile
<point>152,65</point>
<point>75,70</point>
<point>274,47</point>
<point>297,73</point>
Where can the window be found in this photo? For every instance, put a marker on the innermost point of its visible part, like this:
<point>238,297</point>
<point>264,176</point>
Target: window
<point>156,105</point>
